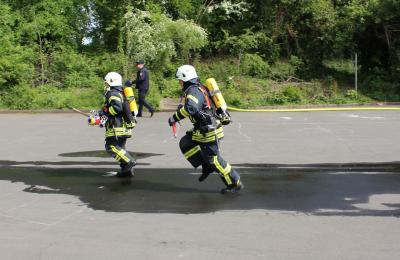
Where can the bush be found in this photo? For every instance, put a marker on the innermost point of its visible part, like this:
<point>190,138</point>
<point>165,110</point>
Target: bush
<point>69,69</point>
<point>378,86</point>
<point>154,97</point>
<point>297,65</point>
<point>170,88</point>
<point>292,94</point>
<point>50,97</point>
<point>254,65</point>
<point>220,69</point>
<point>351,93</point>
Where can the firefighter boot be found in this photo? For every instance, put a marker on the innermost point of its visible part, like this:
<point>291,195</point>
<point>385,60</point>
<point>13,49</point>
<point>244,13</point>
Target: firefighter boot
<point>205,172</point>
<point>127,170</point>
<point>236,185</point>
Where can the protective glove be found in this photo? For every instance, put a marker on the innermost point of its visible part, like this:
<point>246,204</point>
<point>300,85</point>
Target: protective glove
<point>171,120</point>
<point>225,117</point>
<point>130,125</point>
<point>128,83</point>
<point>225,120</point>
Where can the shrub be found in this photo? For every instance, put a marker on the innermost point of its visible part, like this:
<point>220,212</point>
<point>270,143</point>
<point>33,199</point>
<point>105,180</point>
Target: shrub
<point>50,97</point>
<point>292,94</point>
<point>254,65</point>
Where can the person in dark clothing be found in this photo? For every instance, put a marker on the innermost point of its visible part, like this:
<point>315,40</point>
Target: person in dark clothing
<point>142,85</point>
<point>200,146</point>
<point>118,128</point>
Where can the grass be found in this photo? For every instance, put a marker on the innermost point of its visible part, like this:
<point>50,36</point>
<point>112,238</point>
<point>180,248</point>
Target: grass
<point>280,87</point>
<point>277,86</point>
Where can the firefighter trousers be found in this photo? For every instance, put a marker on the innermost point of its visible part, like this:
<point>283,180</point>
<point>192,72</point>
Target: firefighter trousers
<point>116,148</point>
<point>208,155</point>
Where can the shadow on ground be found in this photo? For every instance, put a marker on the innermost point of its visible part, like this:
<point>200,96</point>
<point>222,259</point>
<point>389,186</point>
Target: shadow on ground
<point>85,154</point>
<point>104,154</point>
<point>319,189</point>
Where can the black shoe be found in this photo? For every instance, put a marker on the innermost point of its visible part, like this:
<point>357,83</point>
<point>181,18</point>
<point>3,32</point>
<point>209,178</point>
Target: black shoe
<point>124,175</point>
<point>127,171</point>
<point>139,115</point>
<point>151,113</point>
<point>206,171</point>
<point>233,188</point>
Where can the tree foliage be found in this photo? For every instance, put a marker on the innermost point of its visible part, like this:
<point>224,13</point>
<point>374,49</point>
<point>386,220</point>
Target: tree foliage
<point>73,43</point>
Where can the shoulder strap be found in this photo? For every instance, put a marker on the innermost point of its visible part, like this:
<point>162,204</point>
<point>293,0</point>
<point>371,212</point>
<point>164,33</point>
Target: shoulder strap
<point>206,96</point>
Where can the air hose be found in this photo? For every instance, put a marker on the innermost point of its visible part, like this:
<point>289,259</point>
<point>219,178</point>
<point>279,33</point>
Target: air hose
<point>314,109</point>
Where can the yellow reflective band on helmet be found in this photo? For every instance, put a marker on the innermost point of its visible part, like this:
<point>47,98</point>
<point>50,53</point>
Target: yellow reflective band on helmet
<point>192,152</point>
<point>114,98</point>
<point>184,112</point>
<point>193,98</point>
<point>112,111</point>
<point>222,171</point>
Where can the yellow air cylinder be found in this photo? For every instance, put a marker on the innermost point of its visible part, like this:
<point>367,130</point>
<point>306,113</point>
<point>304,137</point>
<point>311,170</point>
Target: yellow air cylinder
<point>216,94</point>
<point>128,92</point>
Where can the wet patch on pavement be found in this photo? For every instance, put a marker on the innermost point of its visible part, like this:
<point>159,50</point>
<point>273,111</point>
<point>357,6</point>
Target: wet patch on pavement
<point>104,154</point>
<point>61,163</point>
<point>305,189</point>
<point>93,154</point>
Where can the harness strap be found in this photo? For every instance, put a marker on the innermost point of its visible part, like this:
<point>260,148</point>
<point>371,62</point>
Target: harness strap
<point>206,96</point>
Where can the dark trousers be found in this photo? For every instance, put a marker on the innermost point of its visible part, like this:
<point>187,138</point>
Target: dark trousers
<point>143,102</point>
<point>116,148</point>
<point>208,156</point>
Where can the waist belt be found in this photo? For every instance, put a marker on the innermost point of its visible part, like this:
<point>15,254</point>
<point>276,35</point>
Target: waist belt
<point>207,137</point>
<point>118,131</point>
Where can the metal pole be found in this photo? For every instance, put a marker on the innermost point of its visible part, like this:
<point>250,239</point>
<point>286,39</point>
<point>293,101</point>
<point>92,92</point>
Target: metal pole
<point>356,74</point>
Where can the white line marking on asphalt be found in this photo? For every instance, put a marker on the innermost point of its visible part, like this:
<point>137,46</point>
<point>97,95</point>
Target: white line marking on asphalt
<point>24,220</point>
<point>286,117</point>
<point>359,172</point>
<point>21,206</point>
<point>110,174</point>
<point>373,117</point>
<point>53,224</point>
<point>44,188</point>
<point>336,210</point>
<point>77,212</point>
<point>248,138</point>
<point>353,116</point>
<point>366,117</point>
<point>168,140</point>
<point>380,202</point>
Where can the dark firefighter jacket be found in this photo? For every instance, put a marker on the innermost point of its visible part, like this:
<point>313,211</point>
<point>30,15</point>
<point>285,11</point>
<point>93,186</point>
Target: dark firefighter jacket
<point>199,109</point>
<point>114,108</point>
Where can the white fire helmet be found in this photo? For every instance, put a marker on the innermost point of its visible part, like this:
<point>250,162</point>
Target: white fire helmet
<point>186,73</point>
<point>113,79</point>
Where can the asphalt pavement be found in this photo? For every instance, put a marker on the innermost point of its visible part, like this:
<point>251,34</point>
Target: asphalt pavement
<point>319,185</point>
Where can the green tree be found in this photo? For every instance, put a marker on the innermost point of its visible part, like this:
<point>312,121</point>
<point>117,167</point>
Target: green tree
<point>157,38</point>
<point>16,61</point>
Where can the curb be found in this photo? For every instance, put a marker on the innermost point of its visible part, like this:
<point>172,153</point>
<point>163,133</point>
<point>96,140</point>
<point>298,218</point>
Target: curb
<point>360,108</point>
<point>307,108</point>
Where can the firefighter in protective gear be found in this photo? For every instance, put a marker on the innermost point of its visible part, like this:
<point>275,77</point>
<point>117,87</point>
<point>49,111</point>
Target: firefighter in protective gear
<point>200,146</point>
<point>119,124</point>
